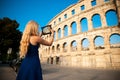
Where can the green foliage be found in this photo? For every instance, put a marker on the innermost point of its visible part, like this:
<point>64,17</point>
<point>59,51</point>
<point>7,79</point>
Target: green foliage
<point>9,37</point>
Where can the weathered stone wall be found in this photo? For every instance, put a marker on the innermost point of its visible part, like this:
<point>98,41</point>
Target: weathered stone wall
<point>107,56</point>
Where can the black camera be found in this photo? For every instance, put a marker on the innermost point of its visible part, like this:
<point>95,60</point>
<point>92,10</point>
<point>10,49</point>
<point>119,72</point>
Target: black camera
<point>46,29</point>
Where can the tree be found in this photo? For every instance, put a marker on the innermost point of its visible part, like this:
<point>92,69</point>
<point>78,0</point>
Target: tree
<point>9,37</point>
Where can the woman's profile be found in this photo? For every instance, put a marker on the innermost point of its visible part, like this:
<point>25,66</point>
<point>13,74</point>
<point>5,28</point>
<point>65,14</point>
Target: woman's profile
<point>30,68</point>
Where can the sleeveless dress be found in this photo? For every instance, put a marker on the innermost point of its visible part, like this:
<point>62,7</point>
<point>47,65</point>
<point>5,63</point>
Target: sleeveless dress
<point>30,68</point>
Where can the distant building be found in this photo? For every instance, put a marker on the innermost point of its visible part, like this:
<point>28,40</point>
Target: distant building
<point>78,29</point>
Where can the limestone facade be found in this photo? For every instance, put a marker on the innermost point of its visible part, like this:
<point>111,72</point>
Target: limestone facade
<point>63,53</point>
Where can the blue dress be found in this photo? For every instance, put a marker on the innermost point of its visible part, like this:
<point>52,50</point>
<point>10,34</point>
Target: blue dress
<point>30,68</point>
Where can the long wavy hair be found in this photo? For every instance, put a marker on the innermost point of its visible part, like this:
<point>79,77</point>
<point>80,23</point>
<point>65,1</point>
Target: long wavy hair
<point>30,30</point>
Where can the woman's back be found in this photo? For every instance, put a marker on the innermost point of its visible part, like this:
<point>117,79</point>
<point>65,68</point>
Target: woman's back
<point>30,68</point>
<point>32,50</point>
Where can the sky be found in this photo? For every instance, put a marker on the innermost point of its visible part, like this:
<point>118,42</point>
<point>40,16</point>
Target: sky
<point>42,11</point>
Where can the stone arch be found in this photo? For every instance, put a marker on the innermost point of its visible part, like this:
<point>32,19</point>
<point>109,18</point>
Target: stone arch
<point>111,21</point>
<point>73,45</point>
<point>85,44</point>
<point>58,47</point>
<point>114,40</point>
<point>65,30</point>
<point>99,42</point>
<point>65,47</point>
<point>96,21</point>
<point>74,27</point>
<point>59,33</point>
<point>84,24</point>
<point>53,49</point>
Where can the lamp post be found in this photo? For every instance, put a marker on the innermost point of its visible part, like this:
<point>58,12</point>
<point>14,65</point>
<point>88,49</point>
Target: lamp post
<point>8,53</point>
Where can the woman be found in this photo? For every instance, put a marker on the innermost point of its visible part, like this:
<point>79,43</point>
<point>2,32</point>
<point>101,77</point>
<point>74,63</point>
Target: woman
<point>30,68</point>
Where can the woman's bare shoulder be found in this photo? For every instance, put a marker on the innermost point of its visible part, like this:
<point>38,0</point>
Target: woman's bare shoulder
<point>35,39</point>
<point>38,39</point>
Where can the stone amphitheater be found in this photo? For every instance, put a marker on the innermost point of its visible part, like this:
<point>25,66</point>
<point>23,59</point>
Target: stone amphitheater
<point>85,21</point>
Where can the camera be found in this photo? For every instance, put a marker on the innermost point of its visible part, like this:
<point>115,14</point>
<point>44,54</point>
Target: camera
<point>46,29</point>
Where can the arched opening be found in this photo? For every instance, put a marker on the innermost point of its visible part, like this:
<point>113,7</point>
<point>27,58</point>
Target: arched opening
<point>96,21</point>
<point>53,49</point>
<point>58,48</point>
<point>65,30</point>
<point>73,46</point>
<point>74,27</point>
<point>85,44</point>
<point>115,40</point>
<point>57,60</point>
<point>65,47</point>
<point>99,42</point>
<point>84,24</point>
<point>111,18</point>
<point>51,60</point>
<point>59,33</point>
<point>48,60</point>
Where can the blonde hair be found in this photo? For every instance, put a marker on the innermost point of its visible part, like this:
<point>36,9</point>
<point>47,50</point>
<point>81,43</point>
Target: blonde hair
<point>30,29</point>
